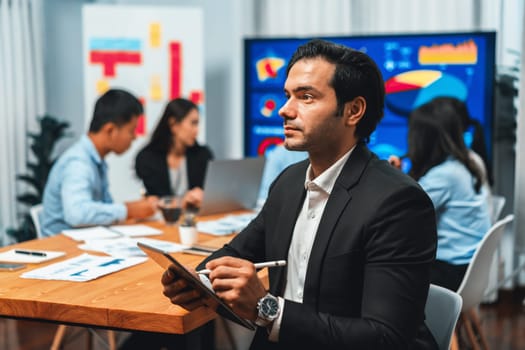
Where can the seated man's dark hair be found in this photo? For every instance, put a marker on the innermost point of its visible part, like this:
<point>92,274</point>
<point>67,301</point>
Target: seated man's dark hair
<point>115,106</point>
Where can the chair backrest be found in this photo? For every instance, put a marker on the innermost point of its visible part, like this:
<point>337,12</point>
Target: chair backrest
<point>476,279</point>
<point>441,314</point>
<point>35,216</point>
<point>498,202</point>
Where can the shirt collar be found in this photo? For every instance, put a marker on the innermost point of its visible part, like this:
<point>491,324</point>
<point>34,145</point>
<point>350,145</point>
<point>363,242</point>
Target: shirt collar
<point>88,145</point>
<point>326,180</point>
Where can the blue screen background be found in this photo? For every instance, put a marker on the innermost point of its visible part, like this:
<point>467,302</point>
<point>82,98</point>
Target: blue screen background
<point>473,82</point>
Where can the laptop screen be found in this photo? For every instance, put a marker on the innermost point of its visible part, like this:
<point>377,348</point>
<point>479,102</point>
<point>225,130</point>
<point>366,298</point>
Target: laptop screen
<point>231,184</point>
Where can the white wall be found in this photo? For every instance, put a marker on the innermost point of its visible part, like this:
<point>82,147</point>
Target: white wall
<point>63,64</point>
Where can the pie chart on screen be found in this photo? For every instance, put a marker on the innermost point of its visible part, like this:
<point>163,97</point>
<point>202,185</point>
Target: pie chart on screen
<point>409,90</point>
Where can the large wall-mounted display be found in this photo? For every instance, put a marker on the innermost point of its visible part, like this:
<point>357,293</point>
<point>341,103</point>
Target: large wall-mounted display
<point>415,67</point>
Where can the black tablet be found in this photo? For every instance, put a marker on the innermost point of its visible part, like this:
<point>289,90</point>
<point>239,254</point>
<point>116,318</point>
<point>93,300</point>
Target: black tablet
<point>165,260</point>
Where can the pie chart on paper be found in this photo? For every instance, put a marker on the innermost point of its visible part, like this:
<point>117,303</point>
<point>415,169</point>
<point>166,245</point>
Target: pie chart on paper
<point>409,90</point>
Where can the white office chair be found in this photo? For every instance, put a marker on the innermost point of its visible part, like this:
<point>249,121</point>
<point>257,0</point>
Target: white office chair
<point>35,216</point>
<point>441,314</point>
<point>475,281</point>
<point>498,202</point>
<point>496,207</point>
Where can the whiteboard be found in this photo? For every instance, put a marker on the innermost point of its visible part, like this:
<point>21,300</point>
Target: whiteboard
<point>154,52</point>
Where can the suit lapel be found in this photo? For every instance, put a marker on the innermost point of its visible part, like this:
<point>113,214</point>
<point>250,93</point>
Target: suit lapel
<point>291,204</point>
<point>337,202</point>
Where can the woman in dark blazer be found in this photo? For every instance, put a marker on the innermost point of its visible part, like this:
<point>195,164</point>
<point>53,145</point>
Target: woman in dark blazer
<point>173,163</point>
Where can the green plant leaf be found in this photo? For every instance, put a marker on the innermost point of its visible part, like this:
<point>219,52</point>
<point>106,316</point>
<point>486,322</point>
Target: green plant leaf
<point>37,185</point>
<point>29,199</point>
<point>25,232</point>
<point>41,145</point>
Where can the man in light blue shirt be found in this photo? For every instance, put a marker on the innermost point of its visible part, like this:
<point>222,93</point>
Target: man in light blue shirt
<point>77,189</point>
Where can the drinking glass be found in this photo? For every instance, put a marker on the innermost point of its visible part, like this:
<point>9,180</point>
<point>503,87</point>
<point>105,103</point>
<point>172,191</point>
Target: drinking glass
<point>171,208</point>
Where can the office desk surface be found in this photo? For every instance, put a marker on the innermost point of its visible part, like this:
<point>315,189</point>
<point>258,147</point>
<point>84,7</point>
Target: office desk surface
<point>130,299</point>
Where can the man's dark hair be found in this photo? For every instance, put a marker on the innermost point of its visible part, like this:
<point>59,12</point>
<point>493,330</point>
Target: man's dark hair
<point>356,74</point>
<point>115,106</point>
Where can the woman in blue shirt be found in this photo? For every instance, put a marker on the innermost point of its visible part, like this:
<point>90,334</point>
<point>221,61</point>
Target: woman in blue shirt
<point>443,166</point>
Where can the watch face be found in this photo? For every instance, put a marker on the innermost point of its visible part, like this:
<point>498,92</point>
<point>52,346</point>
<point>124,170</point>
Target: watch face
<point>269,306</point>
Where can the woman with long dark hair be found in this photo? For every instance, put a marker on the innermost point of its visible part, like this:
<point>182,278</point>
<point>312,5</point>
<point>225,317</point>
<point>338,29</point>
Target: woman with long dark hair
<point>446,170</point>
<point>173,163</point>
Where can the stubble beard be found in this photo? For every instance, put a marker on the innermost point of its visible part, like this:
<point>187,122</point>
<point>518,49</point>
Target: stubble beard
<point>298,145</point>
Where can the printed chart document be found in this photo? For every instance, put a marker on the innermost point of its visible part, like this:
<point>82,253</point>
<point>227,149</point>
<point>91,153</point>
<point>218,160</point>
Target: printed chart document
<point>114,231</point>
<point>226,225</point>
<point>83,268</point>
<point>135,230</point>
<point>96,232</point>
<point>30,256</point>
<point>126,247</point>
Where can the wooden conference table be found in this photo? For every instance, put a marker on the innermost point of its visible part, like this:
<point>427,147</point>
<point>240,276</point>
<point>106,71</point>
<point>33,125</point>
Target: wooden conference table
<point>130,299</point>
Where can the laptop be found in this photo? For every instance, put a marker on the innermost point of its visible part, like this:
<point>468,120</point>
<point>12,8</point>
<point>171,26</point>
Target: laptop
<point>231,184</point>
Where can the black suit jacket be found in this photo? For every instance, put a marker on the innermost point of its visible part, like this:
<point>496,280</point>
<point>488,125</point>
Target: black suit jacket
<point>152,168</point>
<point>368,275</point>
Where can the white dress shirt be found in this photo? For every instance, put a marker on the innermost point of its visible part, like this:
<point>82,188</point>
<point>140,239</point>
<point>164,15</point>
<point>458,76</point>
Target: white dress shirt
<point>317,192</point>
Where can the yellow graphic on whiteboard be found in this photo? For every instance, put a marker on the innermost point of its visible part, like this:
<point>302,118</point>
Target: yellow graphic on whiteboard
<point>155,35</point>
<point>155,91</point>
<point>102,86</point>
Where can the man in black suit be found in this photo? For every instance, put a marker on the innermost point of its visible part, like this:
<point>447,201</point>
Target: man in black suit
<point>359,236</point>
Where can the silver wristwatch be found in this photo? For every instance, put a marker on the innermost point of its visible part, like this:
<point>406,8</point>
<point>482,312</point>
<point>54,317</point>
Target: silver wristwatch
<point>268,310</point>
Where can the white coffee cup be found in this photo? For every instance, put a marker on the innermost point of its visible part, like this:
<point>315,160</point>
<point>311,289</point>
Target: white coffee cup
<point>188,235</point>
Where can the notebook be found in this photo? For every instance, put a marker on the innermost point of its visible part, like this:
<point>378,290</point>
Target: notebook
<point>231,184</point>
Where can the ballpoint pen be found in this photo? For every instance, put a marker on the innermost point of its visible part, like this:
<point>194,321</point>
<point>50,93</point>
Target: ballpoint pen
<point>28,252</point>
<point>257,266</point>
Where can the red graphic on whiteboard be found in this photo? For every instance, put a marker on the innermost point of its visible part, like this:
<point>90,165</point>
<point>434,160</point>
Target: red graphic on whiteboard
<point>175,69</point>
<point>197,97</point>
<point>109,60</point>
<point>140,130</point>
<point>112,51</point>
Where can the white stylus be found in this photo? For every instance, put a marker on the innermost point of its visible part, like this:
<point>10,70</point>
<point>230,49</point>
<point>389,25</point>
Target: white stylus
<point>257,266</point>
